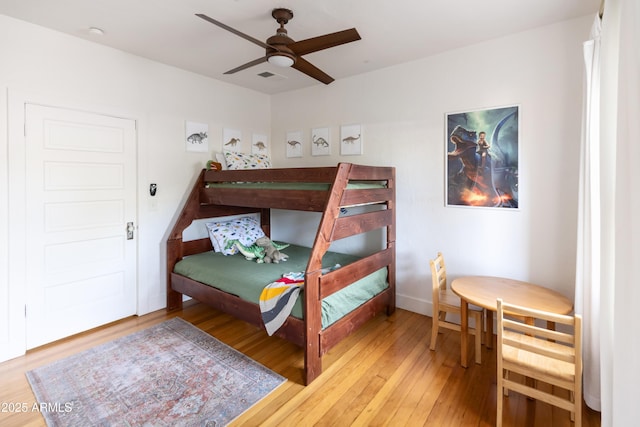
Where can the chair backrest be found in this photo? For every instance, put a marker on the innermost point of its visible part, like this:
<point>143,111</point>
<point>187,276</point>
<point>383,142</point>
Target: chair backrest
<point>512,327</point>
<point>438,279</point>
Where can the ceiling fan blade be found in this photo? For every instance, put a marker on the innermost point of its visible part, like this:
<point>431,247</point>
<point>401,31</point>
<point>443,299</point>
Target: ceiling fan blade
<point>247,65</point>
<point>315,44</point>
<point>311,70</point>
<point>234,31</point>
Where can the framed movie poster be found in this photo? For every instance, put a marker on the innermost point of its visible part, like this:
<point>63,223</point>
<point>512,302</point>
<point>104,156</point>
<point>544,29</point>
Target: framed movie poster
<point>482,158</point>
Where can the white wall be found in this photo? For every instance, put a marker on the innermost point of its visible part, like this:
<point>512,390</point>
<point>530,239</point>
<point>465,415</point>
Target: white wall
<point>401,110</point>
<point>43,66</point>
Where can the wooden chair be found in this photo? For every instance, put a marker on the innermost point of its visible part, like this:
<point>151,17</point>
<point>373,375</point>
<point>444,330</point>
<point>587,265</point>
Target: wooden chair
<point>540,354</point>
<point>445,301</point>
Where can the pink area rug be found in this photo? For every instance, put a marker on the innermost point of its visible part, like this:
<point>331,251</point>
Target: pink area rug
<point>172,374</point>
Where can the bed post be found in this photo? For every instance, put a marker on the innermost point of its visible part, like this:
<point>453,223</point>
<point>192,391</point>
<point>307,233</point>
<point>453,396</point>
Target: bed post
<point>312,304</point>
<point>174,254</point>
<point>174,242</point>
<point>391,244</point>
<point>265,221</point>
<point>313,321</point>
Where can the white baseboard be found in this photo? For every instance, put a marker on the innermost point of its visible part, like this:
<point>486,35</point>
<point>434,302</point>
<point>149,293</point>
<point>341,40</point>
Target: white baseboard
<point>425,307</point>
<point>414,304</point>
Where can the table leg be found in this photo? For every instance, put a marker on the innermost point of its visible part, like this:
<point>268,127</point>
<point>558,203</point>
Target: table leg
<point>489,333</point>
<point>551,325</point>
<point>464,331</point>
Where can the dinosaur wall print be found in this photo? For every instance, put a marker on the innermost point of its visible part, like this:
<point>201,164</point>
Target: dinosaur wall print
<point>482,158</point>
<point>320,142</point>
<point>259,144</point>
<point>232,139</point>
<point>350,140</point>
<point>294,144</point>
<point>196,136</point>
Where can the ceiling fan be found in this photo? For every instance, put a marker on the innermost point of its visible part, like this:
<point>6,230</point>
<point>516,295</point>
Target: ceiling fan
<point>282,51</point>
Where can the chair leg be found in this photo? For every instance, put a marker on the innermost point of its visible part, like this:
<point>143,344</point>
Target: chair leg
<point>506,377</point>
<point>499,403</point>
<point>434,332</point>
<point>578,412</point>
<point>478,320</point>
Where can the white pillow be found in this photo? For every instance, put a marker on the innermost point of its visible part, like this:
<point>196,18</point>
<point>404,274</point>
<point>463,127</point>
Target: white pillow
<point>246,230</point>
<point>246,161</point>
<point>220,159</point>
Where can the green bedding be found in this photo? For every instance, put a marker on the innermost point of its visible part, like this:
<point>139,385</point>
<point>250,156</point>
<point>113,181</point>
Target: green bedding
<point>246,279</point>
<point>354,185</point>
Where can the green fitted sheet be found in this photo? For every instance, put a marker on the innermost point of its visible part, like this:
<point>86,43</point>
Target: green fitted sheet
<point>246,279</point>
<point>353,185</point>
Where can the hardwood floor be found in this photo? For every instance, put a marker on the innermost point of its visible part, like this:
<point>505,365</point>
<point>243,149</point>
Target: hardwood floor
<point>383,374</point>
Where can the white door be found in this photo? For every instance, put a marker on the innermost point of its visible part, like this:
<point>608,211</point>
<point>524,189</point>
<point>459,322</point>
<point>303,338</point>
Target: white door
<point>81,194</point>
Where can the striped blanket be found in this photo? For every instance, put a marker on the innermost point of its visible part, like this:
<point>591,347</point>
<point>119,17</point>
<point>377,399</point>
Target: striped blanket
<point>278,298</point>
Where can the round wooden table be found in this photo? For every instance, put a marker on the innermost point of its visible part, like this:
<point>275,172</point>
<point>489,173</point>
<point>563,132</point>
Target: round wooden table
<point>484,291</point>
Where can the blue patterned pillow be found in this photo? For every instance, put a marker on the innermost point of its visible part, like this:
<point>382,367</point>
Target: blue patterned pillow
<point>246,230</point>
<point>246,161</point>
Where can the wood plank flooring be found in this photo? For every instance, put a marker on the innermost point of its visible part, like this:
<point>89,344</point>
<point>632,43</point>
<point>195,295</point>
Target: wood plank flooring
<point>383,374</point>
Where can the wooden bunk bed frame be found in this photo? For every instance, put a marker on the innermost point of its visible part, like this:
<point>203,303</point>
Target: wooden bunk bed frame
<point>307,333</point>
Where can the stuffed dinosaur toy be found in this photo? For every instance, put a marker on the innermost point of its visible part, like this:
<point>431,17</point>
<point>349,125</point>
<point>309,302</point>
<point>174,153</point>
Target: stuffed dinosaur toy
<point>271,251</point>
<point>257,252</point>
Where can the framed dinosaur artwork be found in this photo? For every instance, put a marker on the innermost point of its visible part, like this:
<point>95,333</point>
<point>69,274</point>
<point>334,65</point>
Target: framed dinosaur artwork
<point>482,157</point>
<point>294,144</point>
<point>350,140</point>
<point>196,137</point>
<point>259,143</point>
<point>320,142</point>
<point>231,140</point>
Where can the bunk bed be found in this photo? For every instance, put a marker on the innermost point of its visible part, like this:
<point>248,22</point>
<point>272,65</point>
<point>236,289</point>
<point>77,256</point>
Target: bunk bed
<point>328,190</point>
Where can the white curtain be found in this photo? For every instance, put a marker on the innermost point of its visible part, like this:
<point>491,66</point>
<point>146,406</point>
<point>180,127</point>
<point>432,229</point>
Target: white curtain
<point>608,262</point>
<point>588,257</point>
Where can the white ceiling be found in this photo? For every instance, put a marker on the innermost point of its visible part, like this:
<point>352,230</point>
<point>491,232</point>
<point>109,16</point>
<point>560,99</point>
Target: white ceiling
<point>392,31</point>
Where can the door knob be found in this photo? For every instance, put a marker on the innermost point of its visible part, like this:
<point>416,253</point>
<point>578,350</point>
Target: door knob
<point>129,230</point>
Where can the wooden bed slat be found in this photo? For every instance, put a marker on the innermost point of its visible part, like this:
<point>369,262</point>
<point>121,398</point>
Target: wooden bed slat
<point>347,226</point>
<point>322,175</point>
<point>208,210</point>
<point>371,173</point>
<point>300,200</point>
<point>193,247</point>
<point>292,330</point>
<point>356,197</point>
<point>338,279</point>
<point>352,321</point>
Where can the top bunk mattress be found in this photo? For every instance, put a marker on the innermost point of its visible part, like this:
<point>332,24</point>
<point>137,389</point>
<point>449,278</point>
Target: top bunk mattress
<point>293,185</point>
<point>246,279</point>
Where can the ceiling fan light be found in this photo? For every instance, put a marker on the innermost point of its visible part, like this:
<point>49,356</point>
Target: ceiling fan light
<point>281,61</point>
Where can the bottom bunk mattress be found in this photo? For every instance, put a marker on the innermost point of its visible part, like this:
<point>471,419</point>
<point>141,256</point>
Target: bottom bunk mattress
<point>246,279</point>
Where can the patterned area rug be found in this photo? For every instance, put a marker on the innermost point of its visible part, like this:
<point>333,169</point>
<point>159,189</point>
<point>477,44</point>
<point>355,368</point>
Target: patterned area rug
<point>172,374</point>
